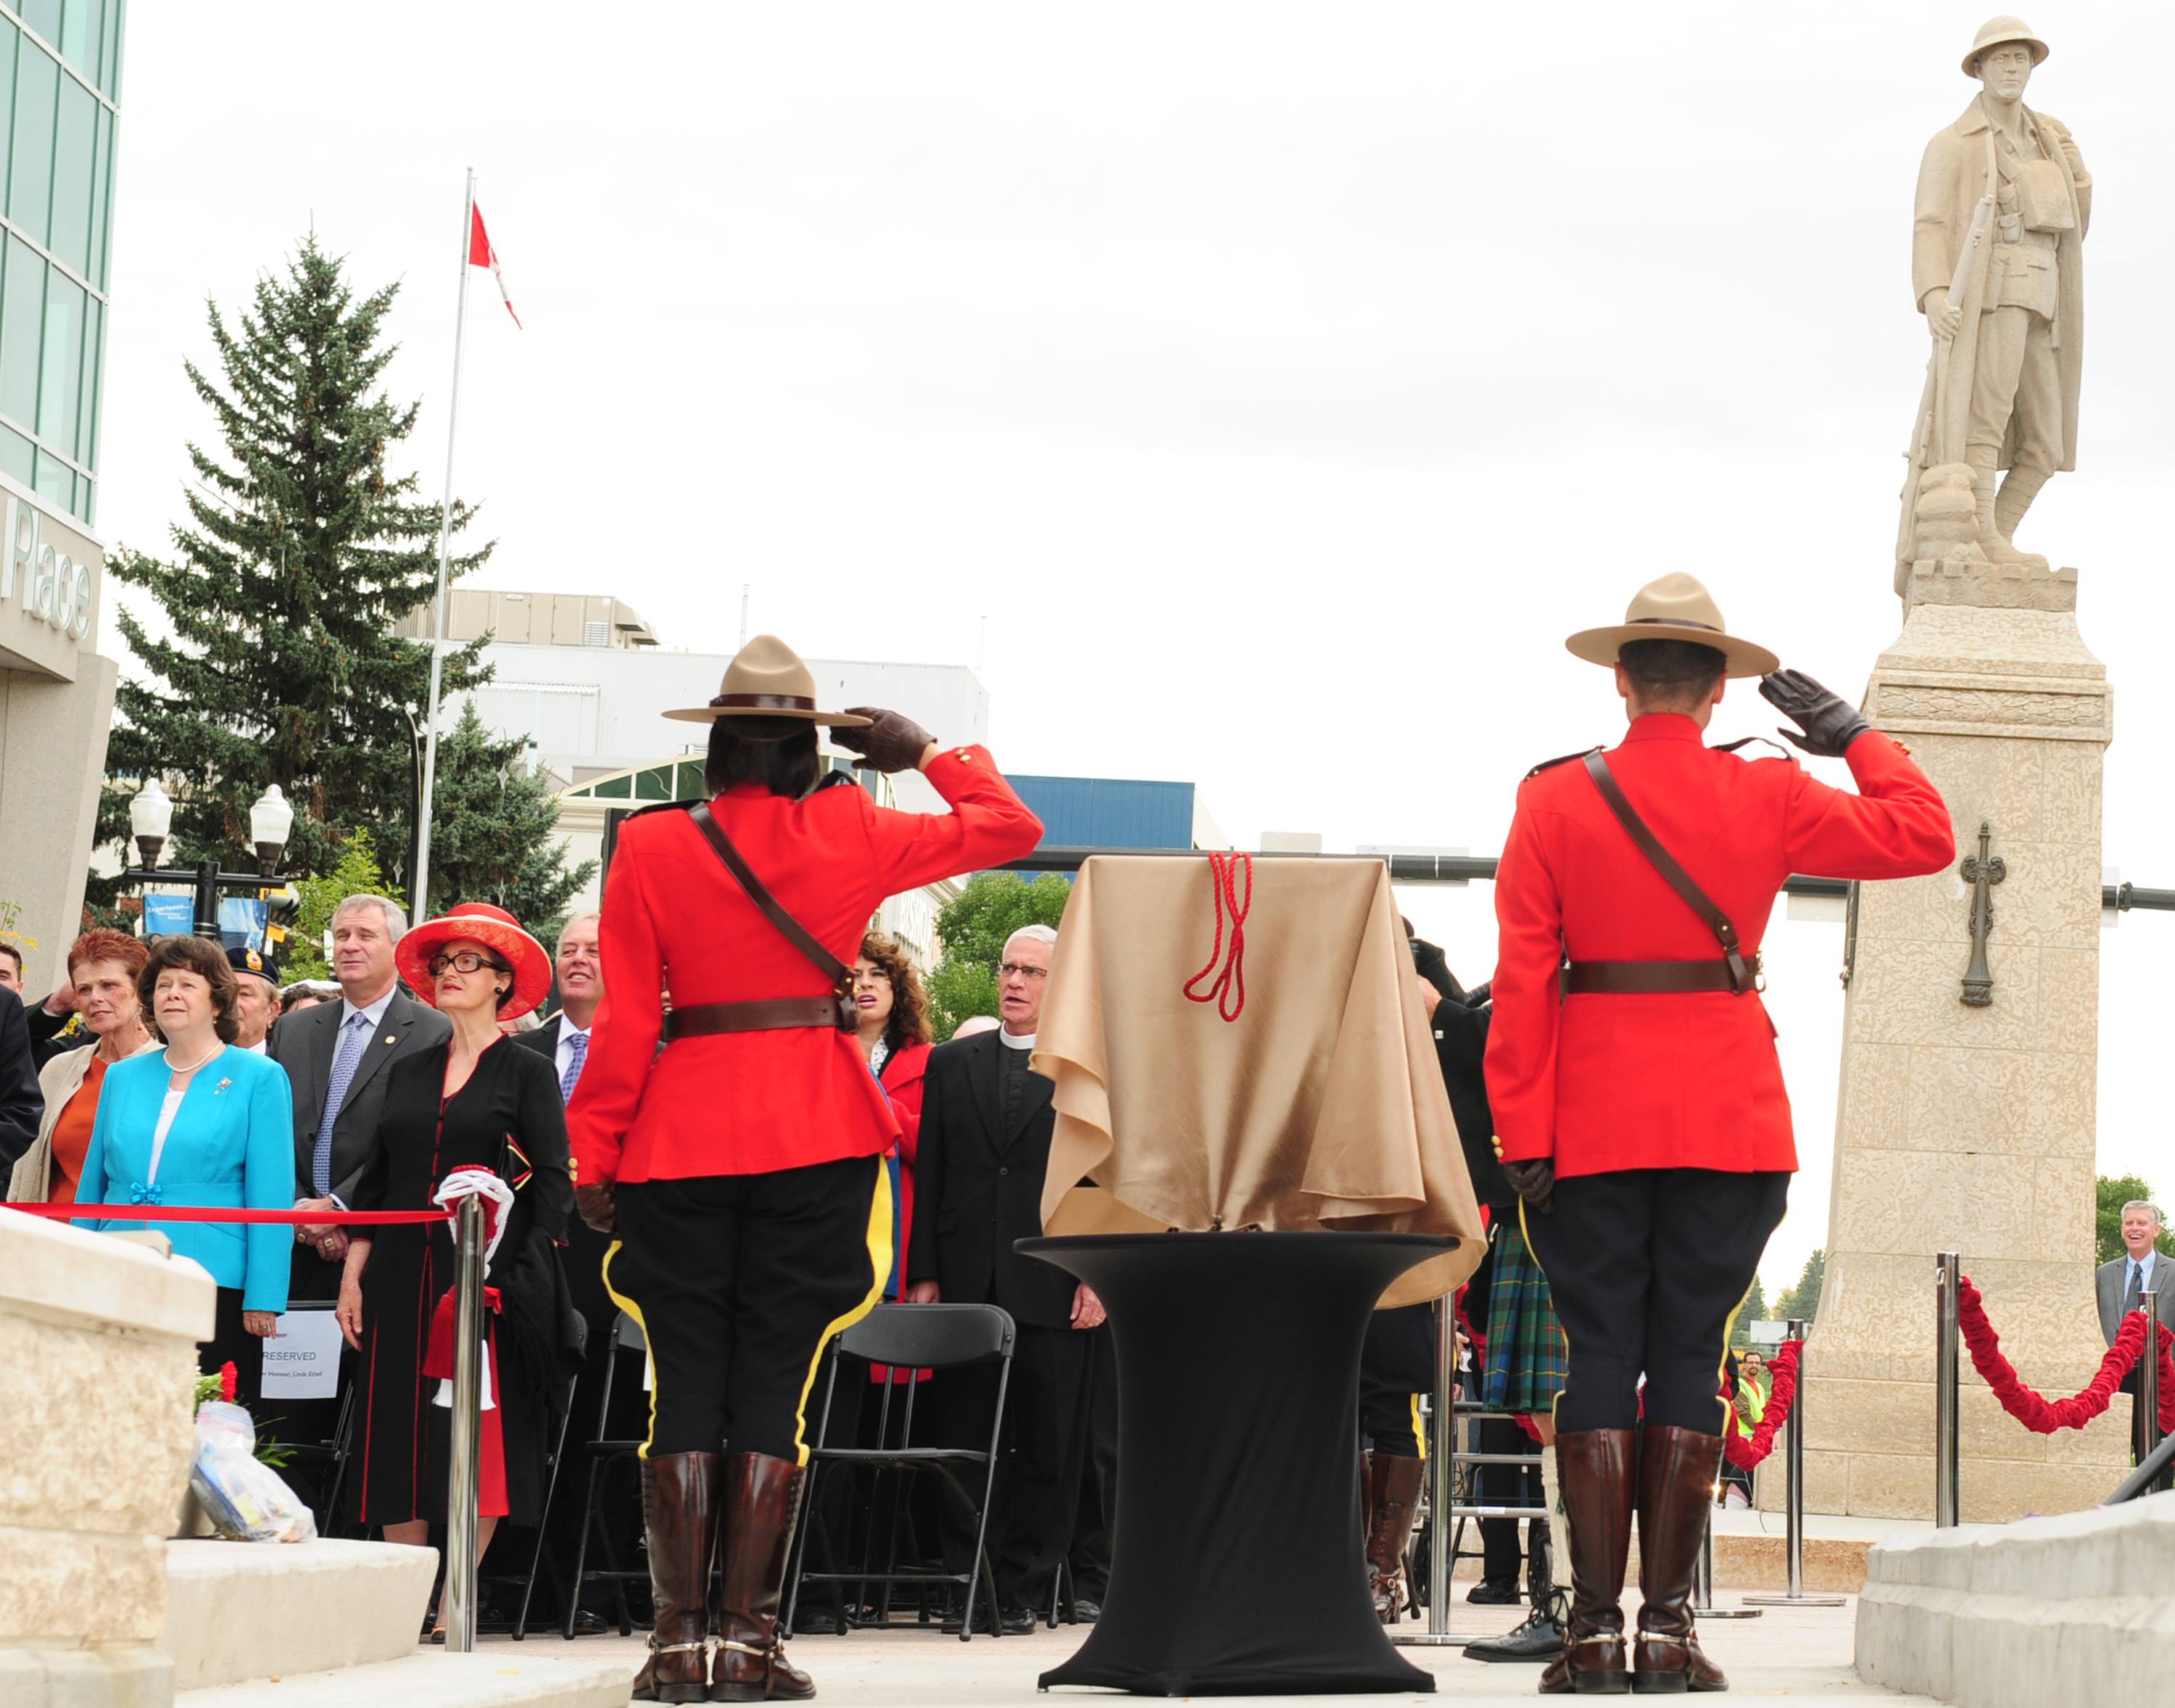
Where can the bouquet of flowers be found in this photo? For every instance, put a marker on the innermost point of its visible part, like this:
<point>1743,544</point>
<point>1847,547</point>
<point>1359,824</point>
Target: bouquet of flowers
<point>220,1388</point>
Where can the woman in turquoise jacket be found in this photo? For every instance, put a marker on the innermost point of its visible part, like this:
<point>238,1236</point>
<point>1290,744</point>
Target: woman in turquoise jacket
<point>202,1123</point>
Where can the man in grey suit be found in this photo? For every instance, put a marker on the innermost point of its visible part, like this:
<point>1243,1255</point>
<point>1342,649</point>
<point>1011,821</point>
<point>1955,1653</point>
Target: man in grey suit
<point>336,1055</point>
<point>2138,1272</point>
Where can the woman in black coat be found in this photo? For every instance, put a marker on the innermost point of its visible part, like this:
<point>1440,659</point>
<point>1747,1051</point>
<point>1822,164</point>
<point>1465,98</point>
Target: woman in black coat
<point>471,1103</point>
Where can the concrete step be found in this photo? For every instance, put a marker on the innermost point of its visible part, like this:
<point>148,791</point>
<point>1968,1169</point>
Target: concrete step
<point>2068,1609</point>
<point>241,1610</point>
<point>490,1678</point>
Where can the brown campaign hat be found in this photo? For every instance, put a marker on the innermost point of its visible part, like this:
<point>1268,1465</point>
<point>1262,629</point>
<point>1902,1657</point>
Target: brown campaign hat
<point>1676,608</point>
<point>766,678</point>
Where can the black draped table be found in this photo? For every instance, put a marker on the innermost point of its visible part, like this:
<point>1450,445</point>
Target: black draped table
<point>1238,1566</point>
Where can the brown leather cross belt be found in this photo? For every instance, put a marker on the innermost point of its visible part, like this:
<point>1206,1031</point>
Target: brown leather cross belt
<point>770,1014</point>
<point>1658,978</point>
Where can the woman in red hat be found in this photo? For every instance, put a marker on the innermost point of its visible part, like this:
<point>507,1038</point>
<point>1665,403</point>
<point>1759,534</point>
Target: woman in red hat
<point>743,1167</point>
<point>471,1102</point>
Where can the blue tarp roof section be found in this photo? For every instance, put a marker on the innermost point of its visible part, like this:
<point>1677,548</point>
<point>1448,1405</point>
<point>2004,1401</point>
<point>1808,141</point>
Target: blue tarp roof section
<point>1108,811</point>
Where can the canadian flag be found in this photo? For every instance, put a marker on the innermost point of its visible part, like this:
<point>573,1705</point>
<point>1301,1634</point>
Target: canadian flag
<point>481,254</point>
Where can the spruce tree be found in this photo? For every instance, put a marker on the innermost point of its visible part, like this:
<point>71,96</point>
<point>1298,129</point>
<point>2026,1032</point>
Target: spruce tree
<point>492,832</point>
<point>355,873</point>
<point>275,663</point>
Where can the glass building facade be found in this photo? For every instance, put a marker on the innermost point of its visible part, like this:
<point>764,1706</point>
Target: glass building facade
<point>60,76</point>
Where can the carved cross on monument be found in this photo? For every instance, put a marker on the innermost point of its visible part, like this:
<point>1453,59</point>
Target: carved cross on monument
<point>1982,871</point>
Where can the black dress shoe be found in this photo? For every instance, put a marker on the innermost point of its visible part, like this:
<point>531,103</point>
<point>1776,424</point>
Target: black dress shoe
<point>1086,1611</point>
<point>1540,1639</point>
<point>1494,1592</point>
<point>1015,1622</point>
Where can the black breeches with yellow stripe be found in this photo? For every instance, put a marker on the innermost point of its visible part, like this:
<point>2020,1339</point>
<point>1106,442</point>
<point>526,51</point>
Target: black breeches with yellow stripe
<point>739,1281</point>
<point>1645,1267</point>
<point>1397,1366</point>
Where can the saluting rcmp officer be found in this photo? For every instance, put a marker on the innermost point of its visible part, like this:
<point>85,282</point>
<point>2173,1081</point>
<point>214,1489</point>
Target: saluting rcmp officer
<point>1639,1104</point>
<point>742,1169</point>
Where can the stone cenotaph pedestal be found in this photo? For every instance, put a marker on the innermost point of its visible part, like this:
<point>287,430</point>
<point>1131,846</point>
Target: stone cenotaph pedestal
<point>1965,1116</point>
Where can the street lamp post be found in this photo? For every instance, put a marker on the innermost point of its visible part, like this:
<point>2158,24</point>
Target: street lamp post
<point>151,819</point>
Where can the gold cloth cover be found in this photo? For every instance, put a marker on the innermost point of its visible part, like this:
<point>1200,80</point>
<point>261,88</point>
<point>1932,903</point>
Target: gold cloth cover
<point>1321,1106</point>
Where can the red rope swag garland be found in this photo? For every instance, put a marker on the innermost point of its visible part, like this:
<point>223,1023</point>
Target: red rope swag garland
<point>214,1212</point>
<point>1229,992</point>
<point>2043,1417</point>
<point>1746,1451</point>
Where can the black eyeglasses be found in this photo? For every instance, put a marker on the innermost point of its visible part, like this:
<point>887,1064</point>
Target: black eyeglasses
<point>1024,972</point>
<point>467,961</point>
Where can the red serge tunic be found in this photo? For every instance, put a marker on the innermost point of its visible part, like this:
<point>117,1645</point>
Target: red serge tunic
<point>1677,1080</point>
<point>751,1103</point>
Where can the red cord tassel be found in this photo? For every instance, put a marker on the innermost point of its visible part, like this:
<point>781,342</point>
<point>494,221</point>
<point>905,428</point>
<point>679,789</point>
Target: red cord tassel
<point>1229,992</point>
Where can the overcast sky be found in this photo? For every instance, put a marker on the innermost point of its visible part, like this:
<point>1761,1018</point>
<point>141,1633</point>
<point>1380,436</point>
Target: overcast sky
<point>1281,384</point>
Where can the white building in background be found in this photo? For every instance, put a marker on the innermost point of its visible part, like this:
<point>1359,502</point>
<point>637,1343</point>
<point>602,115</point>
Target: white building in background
<point>581,679</point>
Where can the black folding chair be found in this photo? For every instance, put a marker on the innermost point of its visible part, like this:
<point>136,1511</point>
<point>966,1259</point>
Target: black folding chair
<point>536,1563</point>
<point>603,1455</point>
<point>907,1338</point>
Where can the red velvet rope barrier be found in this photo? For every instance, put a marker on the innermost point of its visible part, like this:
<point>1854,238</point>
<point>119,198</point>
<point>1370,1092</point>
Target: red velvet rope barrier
<point>1746,1451</point>
<point>214,1213</point>
<point>1229,992</point>
<point>2043,1417</point>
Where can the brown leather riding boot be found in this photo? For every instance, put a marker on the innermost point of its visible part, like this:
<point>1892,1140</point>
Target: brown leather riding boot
<point>763,1500</point>
<point>1396,1493</point>
<point>1597,1471</point>
<point>1676,1469</point>
<point>680,1511</point>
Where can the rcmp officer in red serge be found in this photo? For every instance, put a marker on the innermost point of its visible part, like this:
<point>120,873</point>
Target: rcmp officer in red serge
<point>1639,1104</point>
<point>742,1169</point>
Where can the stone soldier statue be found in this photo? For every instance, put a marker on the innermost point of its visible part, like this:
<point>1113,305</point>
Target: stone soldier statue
<point>1996,266</point>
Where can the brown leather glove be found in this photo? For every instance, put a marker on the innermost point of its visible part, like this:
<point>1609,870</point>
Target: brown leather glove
<point>597,1207</point>
<point>891,742</point>
<point>1534,1181</point>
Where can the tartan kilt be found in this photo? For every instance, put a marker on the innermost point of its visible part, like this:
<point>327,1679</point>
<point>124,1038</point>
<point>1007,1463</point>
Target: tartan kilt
<point>1527,1356</point>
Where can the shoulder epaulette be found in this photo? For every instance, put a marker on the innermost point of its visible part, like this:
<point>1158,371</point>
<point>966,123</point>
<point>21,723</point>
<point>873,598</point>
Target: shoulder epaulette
<point>662,806</point>
<point>1551,764</point>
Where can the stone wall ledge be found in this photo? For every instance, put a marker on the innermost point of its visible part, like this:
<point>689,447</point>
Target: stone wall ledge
<point>2044,1610</point>
<point>72,1278</point>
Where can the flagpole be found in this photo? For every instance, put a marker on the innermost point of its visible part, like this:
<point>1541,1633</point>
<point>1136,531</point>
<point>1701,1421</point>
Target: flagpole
<point>419,898</point>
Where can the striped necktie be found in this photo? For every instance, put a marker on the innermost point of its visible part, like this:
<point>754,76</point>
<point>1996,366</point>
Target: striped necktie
<point>344,1064</point>
<point>577,1052</point>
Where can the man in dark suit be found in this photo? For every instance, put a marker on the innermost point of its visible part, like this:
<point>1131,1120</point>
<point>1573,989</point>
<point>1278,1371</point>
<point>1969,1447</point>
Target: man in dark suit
<point>985,1128</point>
<point>336,1055</point>
<point>22,1104</point>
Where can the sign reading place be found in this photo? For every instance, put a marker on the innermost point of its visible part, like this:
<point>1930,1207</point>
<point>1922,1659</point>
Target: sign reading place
<point>50,586</point>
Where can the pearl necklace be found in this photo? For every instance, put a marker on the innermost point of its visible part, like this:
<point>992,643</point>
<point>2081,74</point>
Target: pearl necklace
<point>179,1071</point>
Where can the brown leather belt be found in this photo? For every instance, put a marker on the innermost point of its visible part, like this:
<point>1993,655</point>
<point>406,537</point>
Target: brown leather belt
<point>1659,978</point>
<point>770,1014</point>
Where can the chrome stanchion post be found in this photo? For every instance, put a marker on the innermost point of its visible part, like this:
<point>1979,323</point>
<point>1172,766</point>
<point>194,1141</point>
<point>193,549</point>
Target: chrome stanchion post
<point>462,1493</point>
<point>1947,1487</point>
<point>1703,1605</point>
<point>2148,1378</point>
<point>1442,1494</point>
<point>1793,1497</point>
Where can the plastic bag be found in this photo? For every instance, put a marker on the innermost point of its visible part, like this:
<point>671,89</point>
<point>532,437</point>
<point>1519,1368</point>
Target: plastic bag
<point>244,1499</point>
